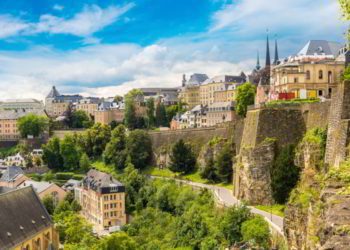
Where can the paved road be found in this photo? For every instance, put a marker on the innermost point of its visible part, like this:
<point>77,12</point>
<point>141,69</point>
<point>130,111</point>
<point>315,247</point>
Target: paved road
<point>226,198</point>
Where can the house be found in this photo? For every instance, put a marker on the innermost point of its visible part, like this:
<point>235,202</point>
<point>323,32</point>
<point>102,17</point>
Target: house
<point>189,92</point>
<point>25,223</point>
<point>15,160</point>
<point>12,177</point>
<point>102,199</point>
<point>44,188</point>
<point>220,112</point>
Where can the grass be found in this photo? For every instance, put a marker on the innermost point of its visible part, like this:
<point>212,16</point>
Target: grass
<point>276,209</point>
<point>278,103</point>
<point>6,151</point>
<point>194,177</point>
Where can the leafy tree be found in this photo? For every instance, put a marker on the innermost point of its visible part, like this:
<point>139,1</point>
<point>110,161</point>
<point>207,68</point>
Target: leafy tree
<point>231,223</point>
<point>172,110</point>
<point>245,97</point>
<point>118,98</point>
<point>32,124</point>
<point>161,119</point>
<point>80,119</point>
<point>118,241</point>
<point>37,161</point>
<point>139,148</point>
<point>52,154</point>
<point>223,164</point>
<point>256,231</point>
<point>115,152</point>
<point>182,158</point>
<point>130,117</point>
<point>29,162</point>
<point>151,120</point>
<point>84,162</point>
<point>284,174</point>
<point>49,203</point>
<point>208,171</point>
<point>69,153</point>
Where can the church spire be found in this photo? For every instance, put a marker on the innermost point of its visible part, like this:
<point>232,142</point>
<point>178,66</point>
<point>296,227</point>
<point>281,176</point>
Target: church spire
<point>268,59</point>
<point>257,61</point>
<point>275,62</point>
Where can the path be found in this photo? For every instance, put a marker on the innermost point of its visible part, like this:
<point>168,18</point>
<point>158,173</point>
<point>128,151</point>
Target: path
<point>226,198</point>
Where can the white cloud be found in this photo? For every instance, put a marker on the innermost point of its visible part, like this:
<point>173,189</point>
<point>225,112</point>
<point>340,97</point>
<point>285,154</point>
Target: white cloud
<point>58,7</point>
<point>10,26</point>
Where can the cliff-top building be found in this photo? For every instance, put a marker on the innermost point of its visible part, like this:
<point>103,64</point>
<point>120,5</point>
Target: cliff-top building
<point>102,199</point>
<point>26,104</point>
<point>189,92</point>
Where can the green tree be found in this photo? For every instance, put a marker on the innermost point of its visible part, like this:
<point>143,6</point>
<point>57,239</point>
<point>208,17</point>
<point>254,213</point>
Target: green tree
<point>172,110</point>
<point>115,152</point>
<point>139,148</point>
<point>84,162</point>
<point>118,98</point>
<point>231,223</point>
<point>182,158</point>
<point>257,232</point>
<point>130,117</point>
<point>284,174</point>
<point>161,118</point>
<point>245,97</point>
<point>118,241</point>
<point>208,171</point>
<point>49,203</point>
<point>52,154</point>
<point>69,153</point>
<point>33,125</point>
<point>80,119</point>
<point>223,164</point>
<point>151,120</point>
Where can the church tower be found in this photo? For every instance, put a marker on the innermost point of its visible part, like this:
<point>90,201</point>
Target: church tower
<point>275,62</point>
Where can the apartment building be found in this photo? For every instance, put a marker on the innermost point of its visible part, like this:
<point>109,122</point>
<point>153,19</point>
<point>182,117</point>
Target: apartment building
<point>102,199</point>
<point>220,112</point>
<point>189,93</point>
<point>27,104</point>
<point>89,105</point>
<point>109,111</point>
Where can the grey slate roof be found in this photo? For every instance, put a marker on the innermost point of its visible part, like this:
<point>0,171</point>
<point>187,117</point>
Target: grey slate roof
<point>18,113</point>
<point>22,215</point>
<point>227,78</point>
<point>197,79</point>
<point>320,47</point>
<point>97,181</point>
<point>11,173</point>
<point>53,93</point>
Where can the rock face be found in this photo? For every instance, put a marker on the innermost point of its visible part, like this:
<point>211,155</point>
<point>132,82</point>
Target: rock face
<point>209,151</point>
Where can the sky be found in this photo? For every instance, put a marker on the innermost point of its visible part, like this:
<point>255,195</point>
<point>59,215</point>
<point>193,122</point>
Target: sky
<point>107,47</point>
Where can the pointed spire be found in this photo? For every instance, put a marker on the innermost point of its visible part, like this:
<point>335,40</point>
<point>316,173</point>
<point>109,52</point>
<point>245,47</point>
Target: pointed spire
<point>268,59</point>
<point>183,80</point>
<point>275,62</point>
<point>257,67</point>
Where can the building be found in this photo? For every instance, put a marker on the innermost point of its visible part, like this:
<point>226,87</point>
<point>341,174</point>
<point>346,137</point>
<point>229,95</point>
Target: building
<point>315,71</point>
<point>226,94</point>
<point>109,111</point>
<point>102,199</point>
<point>25,223</point>
<point>220,112</point>
<point>189,92</point>
<point>57,104</point>
<point>27,104</point>
<point>43,188</point>
<point>197,117</point>
<point>89,105</point>
<point>15,160</point>
<point>12,177</point>
<point>218,84</point>
<point>8,122</point>
<point>71,184</point>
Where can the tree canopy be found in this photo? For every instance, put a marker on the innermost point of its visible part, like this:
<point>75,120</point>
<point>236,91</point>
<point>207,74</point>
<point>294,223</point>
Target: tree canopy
<point>182,158</point>
<point>245,97</point>
<point>33,125</point>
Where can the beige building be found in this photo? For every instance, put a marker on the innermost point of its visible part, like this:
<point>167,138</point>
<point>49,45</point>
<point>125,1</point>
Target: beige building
<point>21,104</point>
<point>88,105</point>
<point>107,116</point>
<point>189,93</point>
<point>314,72</point>
<point>220,112</point>
<point>228,94</point>
<point>102,199</point>
<point>25,223</point>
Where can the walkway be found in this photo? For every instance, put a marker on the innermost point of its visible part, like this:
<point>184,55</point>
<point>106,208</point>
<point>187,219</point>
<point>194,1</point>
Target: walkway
<point>225,198</point>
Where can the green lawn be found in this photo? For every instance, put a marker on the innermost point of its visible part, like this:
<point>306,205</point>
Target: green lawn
<point>276,209</point>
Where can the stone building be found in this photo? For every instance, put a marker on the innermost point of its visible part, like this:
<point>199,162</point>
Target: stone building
<point>102,199</point>
<point>12,177</point>
<point>27,104</point>
<point>220,112</point>
<point>109,111</point>
<point>313,72</point>
<point>189,93</point>
<point>25,223</point>
<point>89,105</point>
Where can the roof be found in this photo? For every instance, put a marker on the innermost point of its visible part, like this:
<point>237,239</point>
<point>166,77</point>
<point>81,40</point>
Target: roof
<point>22,216</point>
<point>97,180</point>
<point>220,105</point>
<point>11,173</point>
<point>226,78</point>
<point>18,113</point>
<point>53,93</point>
<point>197,79</point>
<point>24,100</point>
<point>39,186</point>
<point>320,47</point>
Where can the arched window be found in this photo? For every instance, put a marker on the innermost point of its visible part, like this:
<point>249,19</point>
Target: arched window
<point>330,77</point>
<point>308,75</point>
<point>320,74</point>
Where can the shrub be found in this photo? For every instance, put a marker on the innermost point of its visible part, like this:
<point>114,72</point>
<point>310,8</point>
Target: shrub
<point>256,231</point>
<point>78,177</point>
<point>64,175</point>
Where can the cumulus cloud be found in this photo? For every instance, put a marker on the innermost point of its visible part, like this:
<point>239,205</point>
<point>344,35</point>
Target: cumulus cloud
<point>11,26</point>
<point>58,7</point>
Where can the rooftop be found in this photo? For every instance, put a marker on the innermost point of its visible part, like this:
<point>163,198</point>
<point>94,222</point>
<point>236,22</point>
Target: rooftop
<point>320,47</point>
<point>11,173</point>
<point>18,113</point>
<point>39,186</point>
<point>101,182</point>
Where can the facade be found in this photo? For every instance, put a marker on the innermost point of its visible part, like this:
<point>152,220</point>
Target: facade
<point>312,73</point>
<point>43,188</point>
<point>102,199</point>
<point>12,177</point>
<point>189,93</point>
<point>220,112</point>
<point>15,160</point>
<point>25,223</point>
<point>168,96</point>
<point>109,111</point>
<point>89,105</point>
<point>27,104</point>
<point>57,105</point>
<point>227,94</point>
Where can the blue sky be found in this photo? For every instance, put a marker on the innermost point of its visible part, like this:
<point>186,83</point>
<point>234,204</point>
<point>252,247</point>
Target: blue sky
<point>108,47</point>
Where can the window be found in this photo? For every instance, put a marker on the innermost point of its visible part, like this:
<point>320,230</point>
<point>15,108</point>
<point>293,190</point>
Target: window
<point>320,74</point>
<point>308,76</point>
<point>330,77</point>
<point>320,92</point>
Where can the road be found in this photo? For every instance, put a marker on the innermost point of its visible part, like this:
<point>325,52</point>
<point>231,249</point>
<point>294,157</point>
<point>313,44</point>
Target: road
<point>225,198</point>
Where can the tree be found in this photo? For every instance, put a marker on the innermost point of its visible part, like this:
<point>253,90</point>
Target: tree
<point>118,98</point>
<point>115,151</point>
<point>161,119</point>
<point>284,174</point>
<point>208,171</point>
<point>69,153</point>
<point>37,161</point>
<point>256,231</point>
<point>130,117</point>
<point>182,158</point>
<point>84,162</point>
<point>49,203</point>
<point>151,120</point>
<point>172,110</point>
<point>80,119</point>
<point>139,148</point>
<point>223,164</point>
<point>52,154</point>
<point>118,241</point>
<point>245,97</point>
<point>33,125</point>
